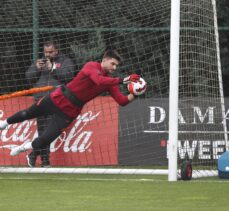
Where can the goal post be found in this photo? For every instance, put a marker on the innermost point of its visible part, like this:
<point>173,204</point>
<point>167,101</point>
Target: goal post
<point>174,82</point>
<point>173,44</point>
<point>202,131</point>
<point>174,87</point>
<point>220,76</point>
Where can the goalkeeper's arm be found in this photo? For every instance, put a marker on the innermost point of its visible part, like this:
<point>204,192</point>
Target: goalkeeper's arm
<point>130,97</point>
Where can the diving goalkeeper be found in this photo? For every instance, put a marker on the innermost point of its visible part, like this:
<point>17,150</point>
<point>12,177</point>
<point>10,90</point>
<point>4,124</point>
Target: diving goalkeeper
<point>66,102</point>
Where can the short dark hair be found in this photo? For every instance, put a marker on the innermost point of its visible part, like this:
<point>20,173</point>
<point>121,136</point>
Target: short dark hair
<point>51,43</point>
<point>112,54</point>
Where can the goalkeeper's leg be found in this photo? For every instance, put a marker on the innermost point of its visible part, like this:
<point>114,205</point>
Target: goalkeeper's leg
<point>21,116</point>
<point>53,130</point>
<point>40,108</point>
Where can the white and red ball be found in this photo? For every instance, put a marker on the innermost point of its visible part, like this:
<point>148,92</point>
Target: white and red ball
<point>137,88</point>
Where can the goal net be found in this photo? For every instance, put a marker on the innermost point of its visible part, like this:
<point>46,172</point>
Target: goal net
<point>202,131</point>
<point>134,138</point>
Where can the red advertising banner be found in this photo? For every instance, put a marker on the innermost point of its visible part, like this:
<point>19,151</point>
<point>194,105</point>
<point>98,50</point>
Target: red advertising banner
<point>91,139</point>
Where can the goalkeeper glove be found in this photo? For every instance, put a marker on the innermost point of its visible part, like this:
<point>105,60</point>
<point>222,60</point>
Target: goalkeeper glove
<point>132,77</point>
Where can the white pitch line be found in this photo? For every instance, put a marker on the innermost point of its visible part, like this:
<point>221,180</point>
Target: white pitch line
<point>83,179</point>
<point>112,180</point>
<point>201,132</point>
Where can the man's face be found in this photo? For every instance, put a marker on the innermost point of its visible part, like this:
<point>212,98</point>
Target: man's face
<point>110,64</point>
<point>50,52</point>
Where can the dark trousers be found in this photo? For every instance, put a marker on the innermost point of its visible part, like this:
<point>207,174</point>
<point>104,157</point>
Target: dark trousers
<point>56,124</point>
<point>42,123</point>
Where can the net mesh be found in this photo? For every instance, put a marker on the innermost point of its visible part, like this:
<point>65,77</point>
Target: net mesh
<point>201,129</point>
<point>139,30</point>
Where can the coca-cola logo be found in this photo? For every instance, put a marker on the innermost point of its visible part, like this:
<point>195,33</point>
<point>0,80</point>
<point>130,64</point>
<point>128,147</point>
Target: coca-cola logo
<point>91,139</point>
<point>75,139</point>
<point>78,139</point>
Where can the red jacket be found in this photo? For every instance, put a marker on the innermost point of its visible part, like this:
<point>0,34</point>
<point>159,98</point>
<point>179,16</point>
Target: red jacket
<point>90,82</point>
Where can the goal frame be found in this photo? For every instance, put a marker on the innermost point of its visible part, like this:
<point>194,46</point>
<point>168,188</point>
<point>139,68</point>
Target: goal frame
<point>172,146</point>
<point>174,90</point>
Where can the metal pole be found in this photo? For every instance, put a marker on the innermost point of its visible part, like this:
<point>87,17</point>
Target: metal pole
<point>173,93</point>
<point>35,29</point>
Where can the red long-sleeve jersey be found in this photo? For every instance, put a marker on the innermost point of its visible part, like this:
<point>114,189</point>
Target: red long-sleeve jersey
<point>90,82</point>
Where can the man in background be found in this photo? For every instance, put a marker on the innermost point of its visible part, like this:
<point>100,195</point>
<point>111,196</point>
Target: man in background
<point>53,69</point>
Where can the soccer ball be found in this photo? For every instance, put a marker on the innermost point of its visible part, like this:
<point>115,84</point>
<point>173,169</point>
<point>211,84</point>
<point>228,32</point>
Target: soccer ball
<point>137,88</point>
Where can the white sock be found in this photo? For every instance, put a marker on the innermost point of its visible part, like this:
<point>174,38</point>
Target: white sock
<point>4,123</point>
<point>28,145</point>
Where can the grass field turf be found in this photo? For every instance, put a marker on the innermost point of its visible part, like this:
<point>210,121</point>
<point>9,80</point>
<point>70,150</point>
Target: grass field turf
<point>55,192</point>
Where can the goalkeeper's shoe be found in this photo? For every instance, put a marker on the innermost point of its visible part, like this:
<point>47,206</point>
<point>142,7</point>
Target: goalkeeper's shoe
<point>3,124</point>
<point>22,148</point>
<point>31,160</point>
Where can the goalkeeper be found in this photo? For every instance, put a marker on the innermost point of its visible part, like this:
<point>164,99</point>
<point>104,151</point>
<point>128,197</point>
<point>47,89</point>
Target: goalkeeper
<point>66,102</point>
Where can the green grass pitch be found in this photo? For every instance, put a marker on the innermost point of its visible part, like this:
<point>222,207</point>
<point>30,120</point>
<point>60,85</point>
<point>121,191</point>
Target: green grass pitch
<point>64,192</point>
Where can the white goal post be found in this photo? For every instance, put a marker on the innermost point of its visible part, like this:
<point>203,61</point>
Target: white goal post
<point>174,45</point>
<point>174,90</point>
<point>174,87</point>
